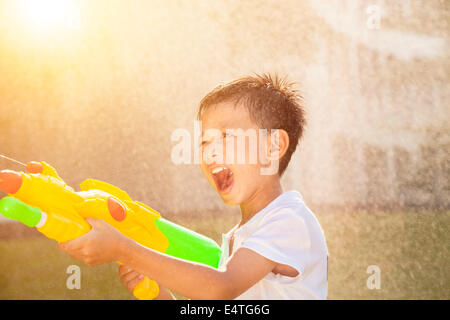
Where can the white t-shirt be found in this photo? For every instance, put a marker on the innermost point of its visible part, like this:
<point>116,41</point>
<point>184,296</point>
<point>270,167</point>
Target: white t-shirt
<point>287,232</point>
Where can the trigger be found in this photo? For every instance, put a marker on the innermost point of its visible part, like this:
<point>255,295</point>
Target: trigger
<point>34,167</point>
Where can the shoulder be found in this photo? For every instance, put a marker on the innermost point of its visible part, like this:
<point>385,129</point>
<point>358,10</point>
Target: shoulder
<point>291,220</point>
<point>289,209</point>
<point>288,216</point>
<point>287,219</point>
<point>283,225</point>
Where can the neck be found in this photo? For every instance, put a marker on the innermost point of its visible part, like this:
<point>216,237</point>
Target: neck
<point>260,199</point>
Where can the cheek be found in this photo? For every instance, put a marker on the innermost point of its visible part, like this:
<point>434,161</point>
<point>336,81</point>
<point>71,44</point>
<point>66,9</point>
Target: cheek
<point>246,177</point>
<point>205,172</point>
<point>238,152</point>
<point>203,168</point>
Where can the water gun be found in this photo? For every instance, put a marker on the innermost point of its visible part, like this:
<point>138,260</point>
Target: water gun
<point>41,199</point>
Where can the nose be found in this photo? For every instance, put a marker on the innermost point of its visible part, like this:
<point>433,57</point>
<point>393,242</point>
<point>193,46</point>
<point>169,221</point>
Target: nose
<point>10,181</point>
<point>213,152</point>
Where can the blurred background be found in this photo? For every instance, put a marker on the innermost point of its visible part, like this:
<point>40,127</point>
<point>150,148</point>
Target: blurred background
<point>95,88</point>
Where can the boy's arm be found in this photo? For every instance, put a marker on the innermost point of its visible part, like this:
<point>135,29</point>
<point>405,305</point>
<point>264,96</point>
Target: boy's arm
<point>105,244</point>
<point>193,280</point>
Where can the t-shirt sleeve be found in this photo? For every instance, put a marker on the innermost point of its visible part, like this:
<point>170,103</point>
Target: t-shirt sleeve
<point>282,237</point>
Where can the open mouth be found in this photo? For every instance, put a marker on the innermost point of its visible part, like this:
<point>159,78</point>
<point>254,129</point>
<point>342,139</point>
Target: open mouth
<point>223,178</point>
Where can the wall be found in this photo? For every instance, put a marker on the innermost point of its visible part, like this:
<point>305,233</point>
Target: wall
<point>102,99</point>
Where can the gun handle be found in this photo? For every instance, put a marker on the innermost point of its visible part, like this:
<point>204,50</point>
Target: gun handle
<point>147,289</point>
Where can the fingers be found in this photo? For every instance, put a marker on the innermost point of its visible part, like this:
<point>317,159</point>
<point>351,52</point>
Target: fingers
<point>123,269</point>
<point>129,277</point>
<point>79,243</point>
<point>79,249</point>
<point>73,245</point>
<point>132,280</point>
<point>74,252</point>
<point>133,283</point>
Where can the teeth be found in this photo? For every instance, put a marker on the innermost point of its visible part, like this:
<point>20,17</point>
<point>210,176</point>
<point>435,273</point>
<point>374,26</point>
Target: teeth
<point>217,170</point>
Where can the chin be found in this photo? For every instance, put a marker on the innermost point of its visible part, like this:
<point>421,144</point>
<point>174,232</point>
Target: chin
<point>229,200</point>
<point>230,203</point>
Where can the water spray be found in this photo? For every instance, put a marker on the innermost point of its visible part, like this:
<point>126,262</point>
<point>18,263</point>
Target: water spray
<point>13,160</point>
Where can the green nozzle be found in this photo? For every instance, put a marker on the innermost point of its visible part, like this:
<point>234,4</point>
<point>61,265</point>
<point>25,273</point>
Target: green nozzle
<point>188,244</point>
<point>17,210</point>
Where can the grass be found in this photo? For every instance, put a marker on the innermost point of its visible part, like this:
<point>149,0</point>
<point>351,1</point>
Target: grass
<point>410,248</point>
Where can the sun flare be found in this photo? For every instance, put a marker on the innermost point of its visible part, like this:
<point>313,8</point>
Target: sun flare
<point>47,15</point>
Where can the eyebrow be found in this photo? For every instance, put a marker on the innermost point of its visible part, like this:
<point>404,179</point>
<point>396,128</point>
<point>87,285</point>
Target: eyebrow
<point>203,134</point>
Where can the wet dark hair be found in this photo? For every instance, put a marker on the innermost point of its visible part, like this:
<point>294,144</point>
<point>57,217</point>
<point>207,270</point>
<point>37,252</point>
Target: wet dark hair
<point>272,103</point>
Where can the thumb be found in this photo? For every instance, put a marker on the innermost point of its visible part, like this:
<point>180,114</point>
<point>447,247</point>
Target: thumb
<point>94,222</point>
<point>74,243</point>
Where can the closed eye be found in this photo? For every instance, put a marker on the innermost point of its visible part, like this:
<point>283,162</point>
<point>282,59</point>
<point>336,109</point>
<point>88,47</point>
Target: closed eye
<point>224,135</point>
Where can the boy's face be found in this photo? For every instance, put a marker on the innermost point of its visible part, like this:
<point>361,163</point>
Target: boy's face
<point>233,152</point>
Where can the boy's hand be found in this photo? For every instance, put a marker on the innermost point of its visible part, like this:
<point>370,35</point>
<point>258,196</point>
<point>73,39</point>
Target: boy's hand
<point>98,246</point>
<point>131,278</point>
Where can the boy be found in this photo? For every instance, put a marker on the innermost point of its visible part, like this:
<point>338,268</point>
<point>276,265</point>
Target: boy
<point>278,249</point>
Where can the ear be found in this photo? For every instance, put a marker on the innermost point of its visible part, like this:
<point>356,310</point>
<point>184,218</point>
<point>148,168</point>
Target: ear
<point>279,143</point>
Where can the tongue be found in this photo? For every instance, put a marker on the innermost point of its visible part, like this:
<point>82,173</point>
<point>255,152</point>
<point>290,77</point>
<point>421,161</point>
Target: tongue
<point>222,179</point>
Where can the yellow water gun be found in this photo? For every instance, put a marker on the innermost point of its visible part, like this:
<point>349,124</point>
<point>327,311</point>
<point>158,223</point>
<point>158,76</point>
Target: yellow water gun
<point>41,199</point>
